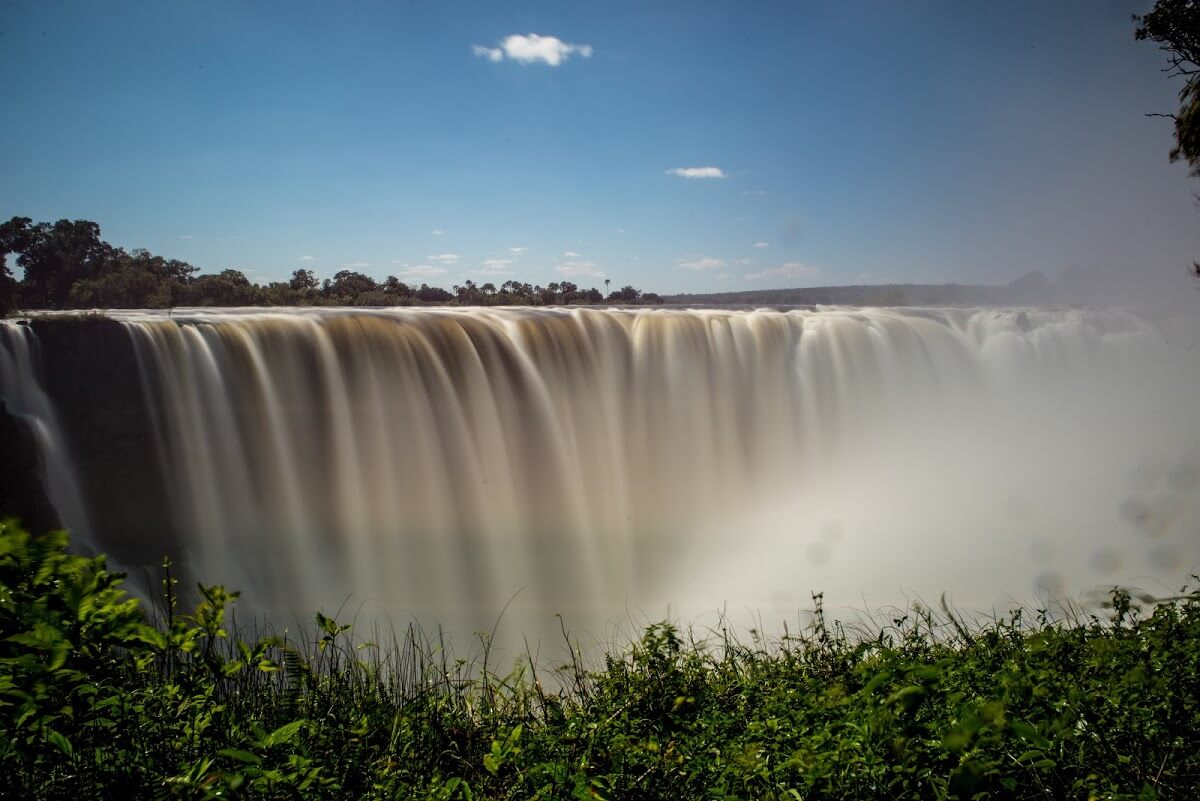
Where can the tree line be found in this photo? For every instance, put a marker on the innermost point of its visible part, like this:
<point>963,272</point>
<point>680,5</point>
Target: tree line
<point>68,266</point>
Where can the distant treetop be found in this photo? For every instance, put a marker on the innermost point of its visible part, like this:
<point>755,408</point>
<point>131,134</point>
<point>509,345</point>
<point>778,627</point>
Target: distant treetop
<point>68,266</point>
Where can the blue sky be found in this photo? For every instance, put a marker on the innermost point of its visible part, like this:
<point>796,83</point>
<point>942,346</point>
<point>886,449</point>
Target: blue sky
<point>856,142</point>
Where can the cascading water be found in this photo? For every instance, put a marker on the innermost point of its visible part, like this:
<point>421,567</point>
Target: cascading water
<point>605,463</point>
<point>23,395</point>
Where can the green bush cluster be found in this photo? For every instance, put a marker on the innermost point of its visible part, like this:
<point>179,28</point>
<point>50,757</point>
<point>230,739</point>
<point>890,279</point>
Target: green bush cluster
<point>102,699</point>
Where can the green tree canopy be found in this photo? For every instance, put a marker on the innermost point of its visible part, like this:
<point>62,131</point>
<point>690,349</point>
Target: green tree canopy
<point>54,256</point>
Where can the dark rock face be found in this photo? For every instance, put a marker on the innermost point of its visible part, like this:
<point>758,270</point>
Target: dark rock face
<point>91,374</point>
<point>22,490</point>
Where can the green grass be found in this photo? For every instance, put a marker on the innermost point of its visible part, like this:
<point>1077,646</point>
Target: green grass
<point>99,699</point>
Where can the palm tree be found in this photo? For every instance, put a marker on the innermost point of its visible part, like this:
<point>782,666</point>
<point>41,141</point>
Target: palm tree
<point>607,281</point>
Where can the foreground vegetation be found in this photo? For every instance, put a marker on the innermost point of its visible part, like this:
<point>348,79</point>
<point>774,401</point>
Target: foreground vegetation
<point>99,699</point>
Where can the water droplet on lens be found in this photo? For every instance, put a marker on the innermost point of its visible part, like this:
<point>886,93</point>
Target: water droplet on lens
<point>1106,560</point>
<point>1050,583</point>
<point>1163,557</point>
<point>818,553</point>
<point>1042,550</point>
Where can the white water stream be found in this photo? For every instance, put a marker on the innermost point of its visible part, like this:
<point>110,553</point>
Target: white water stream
<point>612,464</point>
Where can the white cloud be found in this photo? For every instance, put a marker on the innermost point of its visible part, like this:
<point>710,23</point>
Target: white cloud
<point>517,250</point>
<point>495,266</point>
<point>696,172</point>
<point>421,271</point>
<point>722,276</point>
<point>438,232</point>
<point>744,261</point>
<point>186,236</point>
<point>761,245</point>
<point>445,258</point>
<point>308,258</point>
<point>492,54</point>
<point>356,265</point>
<point>528,48</point>
<point>577,268</point>
<point>699,263</point>
<point>793,269</point>
<point>570,254</point>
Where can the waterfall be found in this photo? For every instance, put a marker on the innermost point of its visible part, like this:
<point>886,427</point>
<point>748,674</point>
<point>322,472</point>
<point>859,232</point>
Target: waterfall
<point>22,391</point>
<point>603,464</point>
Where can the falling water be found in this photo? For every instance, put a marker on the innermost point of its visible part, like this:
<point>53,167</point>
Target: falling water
<point>23,394</point>
<point>606,463</point>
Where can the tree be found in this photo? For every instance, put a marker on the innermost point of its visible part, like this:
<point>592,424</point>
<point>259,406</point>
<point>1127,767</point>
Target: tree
<point>394,286</point>
<point>625,294</point>
<point>12,238</point>
<point>433,294</point>
<point>347,285</point>
<point>138,279</point>
<point>227,288</point>
<point>1175,26</point>
<point>304,281</point>
<point>54,256</point>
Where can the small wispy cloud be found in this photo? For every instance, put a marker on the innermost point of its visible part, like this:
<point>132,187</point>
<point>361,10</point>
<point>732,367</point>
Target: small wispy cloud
<point>863,278</point>
<point>570,254</point>
<point>749,192</point>
<point>421,271</point>
<point>620,230</point>
<point>761,245</point>
<point>530,48</point>
<point>356,265</point>
<point>492,54</point>
<point>495,266</point>
<point>445,258</point>
<point>744,261</point>
<point>186,236</point>
<point>696,172</point>
<point>580,268</point>
<point>722,276</point>
<point>517,250</point>
<point>699,263</point>
<point>308,258</point>
<point>792,269</point>
<point>438,232</point>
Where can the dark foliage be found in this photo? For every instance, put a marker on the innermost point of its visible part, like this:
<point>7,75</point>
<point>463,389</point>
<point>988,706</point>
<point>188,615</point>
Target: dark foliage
<point>67,266</point>
<point>1175,26</point>
<point>99,700</point>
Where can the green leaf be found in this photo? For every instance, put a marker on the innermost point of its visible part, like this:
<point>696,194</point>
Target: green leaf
<point>514,737</point>
<point>60,742</point>
<point>241,756</point>
<point>1028,733</point>
<point>284,734</point>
